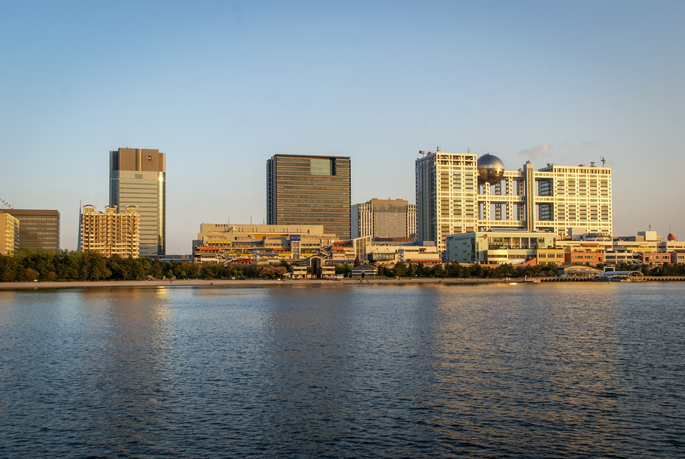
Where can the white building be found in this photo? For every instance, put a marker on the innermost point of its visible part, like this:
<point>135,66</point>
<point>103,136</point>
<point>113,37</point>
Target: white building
<point>457,193</point>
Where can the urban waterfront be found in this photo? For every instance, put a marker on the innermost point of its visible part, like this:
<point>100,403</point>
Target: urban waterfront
<point>545,370</point>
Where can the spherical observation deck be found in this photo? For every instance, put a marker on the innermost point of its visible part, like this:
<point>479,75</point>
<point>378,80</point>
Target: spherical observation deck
<point>490,169</point>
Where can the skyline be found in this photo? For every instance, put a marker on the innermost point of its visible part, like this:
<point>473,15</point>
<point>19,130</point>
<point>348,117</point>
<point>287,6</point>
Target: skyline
<point>222,87</point>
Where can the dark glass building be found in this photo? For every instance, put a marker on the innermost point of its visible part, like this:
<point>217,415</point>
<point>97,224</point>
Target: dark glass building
<point>38,229</point>
<point>309,190</point>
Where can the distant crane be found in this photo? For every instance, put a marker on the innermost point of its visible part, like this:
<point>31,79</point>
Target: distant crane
<point>5,203</point>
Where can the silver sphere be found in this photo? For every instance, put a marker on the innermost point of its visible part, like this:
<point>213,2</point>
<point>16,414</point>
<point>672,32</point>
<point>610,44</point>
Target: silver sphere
<point>490,169</point>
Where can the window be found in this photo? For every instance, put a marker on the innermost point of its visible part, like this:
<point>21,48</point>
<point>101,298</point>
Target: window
<point>321,166</point>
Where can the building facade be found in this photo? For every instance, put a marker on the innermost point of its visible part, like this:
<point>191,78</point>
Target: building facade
<point>458,193</point>
<point>499,247</point>
<point>38,229</point>
<point>137,177</point>
<point>9,234</point>
<point>227,243</point>
<point>384,218</point>
<point>309,190</point>
<point>110,233</point>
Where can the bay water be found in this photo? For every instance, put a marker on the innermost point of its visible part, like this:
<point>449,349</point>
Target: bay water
<point>549,370</point>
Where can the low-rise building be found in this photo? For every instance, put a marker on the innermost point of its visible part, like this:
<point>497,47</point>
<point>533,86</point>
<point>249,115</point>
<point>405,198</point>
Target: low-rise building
<point>584,256</point>
<point>653,258</point>
<point>110,233</point>
<point>550,256</point>
<point>678,257</point>
<point>314,267</point>
<point>498,247</point>
<point>364,270</point>
<point>9,234</point>
<point>224,243</point>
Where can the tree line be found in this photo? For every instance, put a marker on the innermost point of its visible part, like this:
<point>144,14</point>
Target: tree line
<point>29,265</point>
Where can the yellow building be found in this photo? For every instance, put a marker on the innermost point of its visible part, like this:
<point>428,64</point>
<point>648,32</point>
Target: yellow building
<point>9,232</point>
<point>555,256</point>
<point>110,233</point>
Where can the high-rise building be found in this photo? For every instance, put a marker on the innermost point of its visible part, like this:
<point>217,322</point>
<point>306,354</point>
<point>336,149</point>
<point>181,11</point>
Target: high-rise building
<point>110,233</point>
<point>384,218</point>
<point>309,190</point>
<point>137,177</point>
<point>9,234</point>
<point>457,193</point>
<point>38,229</point>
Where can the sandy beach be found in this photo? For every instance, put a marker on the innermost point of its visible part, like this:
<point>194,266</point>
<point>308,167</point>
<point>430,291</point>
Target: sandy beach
<point>264,283</point>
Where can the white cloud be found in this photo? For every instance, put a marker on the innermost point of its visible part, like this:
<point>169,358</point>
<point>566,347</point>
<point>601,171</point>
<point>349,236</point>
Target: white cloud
<point>541,151</point>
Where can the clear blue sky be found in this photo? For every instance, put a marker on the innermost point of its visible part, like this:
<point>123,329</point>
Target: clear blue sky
<point>222,86</point>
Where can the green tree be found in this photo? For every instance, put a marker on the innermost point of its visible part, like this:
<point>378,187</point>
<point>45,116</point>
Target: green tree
<point>400,269</point>
<point>438,271</point>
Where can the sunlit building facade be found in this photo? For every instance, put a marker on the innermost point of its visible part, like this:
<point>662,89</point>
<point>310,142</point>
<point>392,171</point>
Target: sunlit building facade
<point>38,229</point>
<point>9,234</point>
<point>137,177</point>
<point>309,190</point>
<point>459,193</point>
<point>110,233</point>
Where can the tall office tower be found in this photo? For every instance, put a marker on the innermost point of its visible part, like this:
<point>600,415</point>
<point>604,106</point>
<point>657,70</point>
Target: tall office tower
<point>110,233</point>
<point>309,190</point>
<point>384,218</point>
<point>38,229</point>
<point>9,234</point>
<point>457,193</point>
<point>137,177</point>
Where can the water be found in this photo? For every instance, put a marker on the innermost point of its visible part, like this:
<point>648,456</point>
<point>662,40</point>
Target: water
<point>570,370</point>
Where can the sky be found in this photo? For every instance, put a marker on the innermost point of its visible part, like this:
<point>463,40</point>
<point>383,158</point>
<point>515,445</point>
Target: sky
<point>221,86</point>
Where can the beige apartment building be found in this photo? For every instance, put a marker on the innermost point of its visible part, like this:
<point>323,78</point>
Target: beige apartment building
<point>9,234</point>
<point>459,193</point>
<point>110,233</point>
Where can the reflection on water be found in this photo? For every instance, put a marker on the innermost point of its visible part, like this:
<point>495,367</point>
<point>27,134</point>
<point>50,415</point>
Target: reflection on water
<point>544,370</point>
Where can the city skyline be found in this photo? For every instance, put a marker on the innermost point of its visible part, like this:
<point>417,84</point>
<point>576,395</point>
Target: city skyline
<point>223,87</point>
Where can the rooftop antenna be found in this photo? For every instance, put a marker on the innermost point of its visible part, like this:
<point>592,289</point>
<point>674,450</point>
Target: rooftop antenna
<point>437,149</point>
<point>468,150</point>
<point>604,161</point>
<point>422,153</point>
<point>5,203</point>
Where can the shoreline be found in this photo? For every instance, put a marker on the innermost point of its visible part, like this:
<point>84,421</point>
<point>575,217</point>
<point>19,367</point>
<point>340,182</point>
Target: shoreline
<point>268,283</point>
<point>264,283</point>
